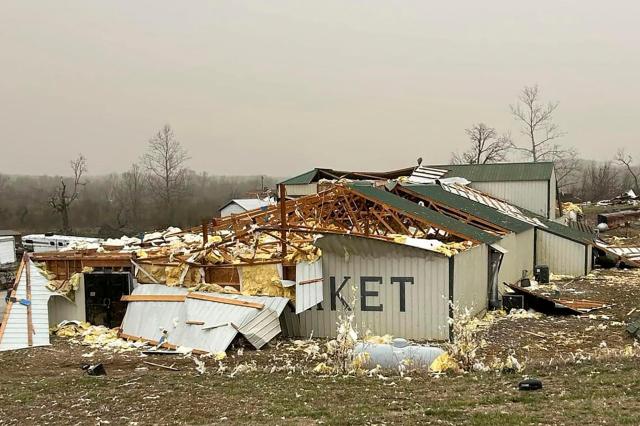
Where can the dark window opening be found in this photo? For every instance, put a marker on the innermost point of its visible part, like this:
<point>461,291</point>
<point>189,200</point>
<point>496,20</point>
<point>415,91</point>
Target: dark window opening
<point>102,297</point>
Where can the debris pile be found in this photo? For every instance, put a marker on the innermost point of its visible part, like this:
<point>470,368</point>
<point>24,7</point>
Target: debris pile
<point>94,336</point>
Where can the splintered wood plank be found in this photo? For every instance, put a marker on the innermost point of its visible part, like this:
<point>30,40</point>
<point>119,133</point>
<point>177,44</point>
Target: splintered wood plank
<point>153,298</point>
<point>228,301</point>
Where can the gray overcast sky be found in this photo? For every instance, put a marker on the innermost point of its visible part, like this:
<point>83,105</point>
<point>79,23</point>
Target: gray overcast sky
<point>277,87</point>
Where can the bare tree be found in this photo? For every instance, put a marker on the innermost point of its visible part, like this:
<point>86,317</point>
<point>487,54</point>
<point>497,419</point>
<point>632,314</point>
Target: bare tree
<point>626,160</point>
<point>537,124</point>
<point>599,181</point>
<point>64,196</point>
<point>165,165</point>
<point>133,186</point>
<point>486,146</point>
<point>567,166</point>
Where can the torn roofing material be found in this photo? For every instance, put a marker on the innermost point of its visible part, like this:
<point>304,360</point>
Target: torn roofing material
<point>423,174</point>
<point>439,220</point>
<point>542,303</point>
<point>487,200</point>
<point>324,173</point>
<point>437,193</point>
<point>200,322</point>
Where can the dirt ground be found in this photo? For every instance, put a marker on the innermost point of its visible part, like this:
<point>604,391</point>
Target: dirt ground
<point>552,339</point>
<point>585,380</point>
<point>47,386</point>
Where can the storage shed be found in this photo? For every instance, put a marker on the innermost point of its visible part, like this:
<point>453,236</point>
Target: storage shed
<point>394,288</point>
<point>7,249</point>
<point>531,186</point>
<point>566,250</point>
<point>241,205</point>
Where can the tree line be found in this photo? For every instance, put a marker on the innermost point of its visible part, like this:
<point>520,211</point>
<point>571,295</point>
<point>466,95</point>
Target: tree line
<point>157,191</point>
<point>540,141</point>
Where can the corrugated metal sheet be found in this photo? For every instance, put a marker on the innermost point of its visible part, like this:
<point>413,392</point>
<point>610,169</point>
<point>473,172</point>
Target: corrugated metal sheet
<point>530,195</point>
<point>260,329</point>
<point>500,171</point>
<point>481,207</point>
<point>501,206</point>
<point>471,279</point>
<point>423,174</point>
<point>301,190</point>
<point>519,257</point>
<point>632,253</point>
<point>302,179</point>
<point>349,263</point>
<point>7,250</point>
<point>221,321</point>
<point>308,294</point>
<point>562,255</point>
<point>15,334</point>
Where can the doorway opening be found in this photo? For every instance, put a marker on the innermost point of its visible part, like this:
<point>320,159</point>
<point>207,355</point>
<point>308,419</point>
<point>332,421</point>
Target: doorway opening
<point>103,291</point>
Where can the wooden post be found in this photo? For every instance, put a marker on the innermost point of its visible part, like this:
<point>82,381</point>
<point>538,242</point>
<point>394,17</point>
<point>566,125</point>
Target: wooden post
<point>205,233</point>
<point>283,218</point>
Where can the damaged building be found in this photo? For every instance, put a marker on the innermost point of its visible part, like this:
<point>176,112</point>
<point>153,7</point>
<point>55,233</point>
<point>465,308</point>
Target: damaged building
<point>395,249</point>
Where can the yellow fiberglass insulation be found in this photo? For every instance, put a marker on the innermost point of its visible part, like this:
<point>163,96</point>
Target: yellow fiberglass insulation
<point>156,271</point>
<point>207,288</point>
<point>263,280</point>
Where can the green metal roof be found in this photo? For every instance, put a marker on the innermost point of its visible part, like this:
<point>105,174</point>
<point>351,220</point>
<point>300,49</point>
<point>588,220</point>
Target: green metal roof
<point>433,217</point>
<point>302,179</point>
<point>561,230</point>
<point>494,216</point>
<point>499,171</point>
<point>436,193</point>
<point>320,173</point>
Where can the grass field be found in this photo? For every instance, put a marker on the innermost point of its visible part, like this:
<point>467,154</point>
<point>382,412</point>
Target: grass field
<point>43,386</point>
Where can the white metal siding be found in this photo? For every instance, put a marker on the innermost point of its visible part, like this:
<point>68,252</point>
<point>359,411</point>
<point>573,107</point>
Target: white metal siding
<point>530,195</point>
<point>300,190</point>
<point>563,256</point>
<point>3,304</point>
<point>232,208</point>
<point>553,196</point>
<point>426,300</point>
<point>15,334</point>
<point>61,309</point>
<point>471,279</point>
<point>519,256</point>
<point>7,250</point>
<point>308,295</point>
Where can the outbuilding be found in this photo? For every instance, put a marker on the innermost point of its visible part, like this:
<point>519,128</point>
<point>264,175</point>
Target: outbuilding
<point>242,205</point>
<point>400,288</point>
<point>531,186</point>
